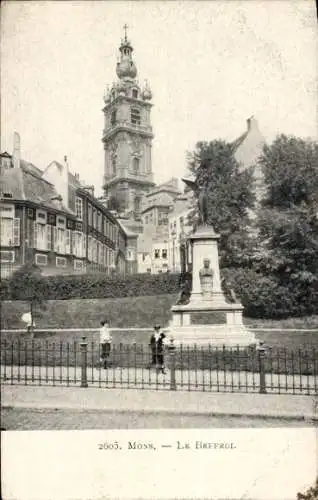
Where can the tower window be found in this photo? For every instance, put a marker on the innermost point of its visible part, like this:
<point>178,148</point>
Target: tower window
<point>137,204</point>
<point>113,119</point>
<point>135,93</point>
<point>114,162</point>
<point>135,116</point>
<point>136,165</point>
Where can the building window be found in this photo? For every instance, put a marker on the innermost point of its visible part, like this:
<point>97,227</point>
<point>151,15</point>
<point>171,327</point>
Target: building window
<point>41,217</point>
<point>113,119</point>
<point>61,262</point>
<point>61,222</point>
<point>99,221</point>
<point>6,256</point>
<point>114,163</point>
<point>135,93</point>
<point>78,266</point>
<point>157,253</point>
<point>94,256</point>
<point>90,215</point>
<point>136,166</point>
<point>137,204</point>
<point>6,232</point>
<point>79,207</point>
<point>94,218</point>
<point>90,248</point>
<point>40,259</point>
<point>135,116</point>
<point>61,240</point>
<point>164,254</point>
<point>78,244</point>
<point>40,236</point>
<point>162,218</point>
<point>10,227</point>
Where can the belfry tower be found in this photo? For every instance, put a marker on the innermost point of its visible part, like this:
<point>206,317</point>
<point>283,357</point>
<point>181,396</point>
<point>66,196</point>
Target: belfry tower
<point>127,136</point>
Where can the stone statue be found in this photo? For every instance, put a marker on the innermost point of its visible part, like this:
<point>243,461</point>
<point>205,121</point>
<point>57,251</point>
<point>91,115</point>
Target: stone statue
<point>206,277</point>
<point>229,292</point>
<point>200,189</point>
<point>184,294</point>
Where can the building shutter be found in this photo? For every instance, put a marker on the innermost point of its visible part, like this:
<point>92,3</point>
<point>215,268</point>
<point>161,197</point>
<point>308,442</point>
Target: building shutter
<point>68,241</point>
<point>35,232</point>
<point>55,242</point>
<point>16,232</point>
<point>49,237</point>
<point>84,245</point>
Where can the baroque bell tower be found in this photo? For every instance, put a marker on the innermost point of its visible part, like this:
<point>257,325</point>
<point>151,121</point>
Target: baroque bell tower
<point>127,136</point>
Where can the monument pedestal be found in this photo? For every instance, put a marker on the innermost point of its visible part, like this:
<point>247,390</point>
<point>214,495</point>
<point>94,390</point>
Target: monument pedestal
<point>190,322</point>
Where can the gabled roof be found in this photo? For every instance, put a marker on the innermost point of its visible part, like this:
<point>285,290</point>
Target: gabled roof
<point>26,183</point>
<point>170,186</point>
<point>41,191</point>
<point>123,224</point>
<point>5,154</point>
<point>248,146</point>
<point>11,182</point>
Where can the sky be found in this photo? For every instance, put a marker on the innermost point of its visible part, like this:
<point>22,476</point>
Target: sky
<point>210,66</point>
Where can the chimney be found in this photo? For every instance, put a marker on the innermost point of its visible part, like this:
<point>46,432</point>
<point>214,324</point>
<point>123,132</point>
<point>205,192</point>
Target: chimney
<point>64,182</point>
<point>16,150</point>
<point>251,122</point>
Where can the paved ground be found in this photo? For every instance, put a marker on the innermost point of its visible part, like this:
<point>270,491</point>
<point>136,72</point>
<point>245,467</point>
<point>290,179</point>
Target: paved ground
<point>163,402</point>
<point>61,419</point>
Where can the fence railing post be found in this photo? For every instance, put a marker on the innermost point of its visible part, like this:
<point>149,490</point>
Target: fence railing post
<point>172,362</point>
<point>261,358</point>
<point>83,347</point>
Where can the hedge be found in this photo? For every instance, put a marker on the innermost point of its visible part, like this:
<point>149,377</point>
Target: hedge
<point>262,296</point>
<point>97,286</point>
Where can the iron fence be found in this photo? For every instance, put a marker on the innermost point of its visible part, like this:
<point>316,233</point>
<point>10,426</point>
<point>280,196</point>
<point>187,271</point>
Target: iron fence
<point>199,368</point>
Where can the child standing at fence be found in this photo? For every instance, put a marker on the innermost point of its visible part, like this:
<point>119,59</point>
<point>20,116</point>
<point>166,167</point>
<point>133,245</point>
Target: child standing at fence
<point>157,344</point>
<point>28,320</point>
<point>105,341</point>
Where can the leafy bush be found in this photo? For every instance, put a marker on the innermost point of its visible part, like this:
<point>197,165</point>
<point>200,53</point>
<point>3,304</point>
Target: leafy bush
<point>267,297</point>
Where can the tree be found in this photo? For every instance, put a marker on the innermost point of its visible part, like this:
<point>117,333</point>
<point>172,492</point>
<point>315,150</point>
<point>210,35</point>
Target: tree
<point>311,493</point>
<point>230,197</point>
<point>28,284</point>
<point>288,218</point>
<point>290,168</point>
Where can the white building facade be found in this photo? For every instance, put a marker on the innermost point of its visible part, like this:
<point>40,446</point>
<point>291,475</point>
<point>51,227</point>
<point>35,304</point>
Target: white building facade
<point>179,229</point>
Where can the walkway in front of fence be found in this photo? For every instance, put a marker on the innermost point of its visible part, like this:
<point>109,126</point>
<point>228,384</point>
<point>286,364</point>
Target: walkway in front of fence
<point>143,378</point>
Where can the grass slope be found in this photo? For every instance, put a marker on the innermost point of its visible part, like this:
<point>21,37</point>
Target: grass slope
<point>141,312</point>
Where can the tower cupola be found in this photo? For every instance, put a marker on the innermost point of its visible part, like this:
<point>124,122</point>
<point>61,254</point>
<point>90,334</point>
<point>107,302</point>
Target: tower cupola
<point>126,68</point>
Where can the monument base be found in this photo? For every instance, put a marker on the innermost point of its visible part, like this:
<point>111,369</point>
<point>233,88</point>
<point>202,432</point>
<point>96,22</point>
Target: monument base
<point>214,335</point>
<point>232,333</point>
